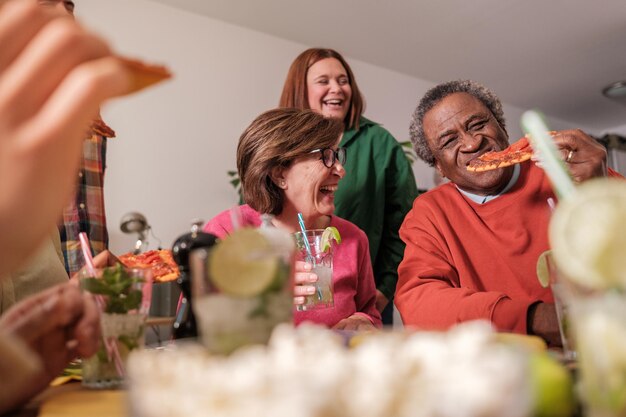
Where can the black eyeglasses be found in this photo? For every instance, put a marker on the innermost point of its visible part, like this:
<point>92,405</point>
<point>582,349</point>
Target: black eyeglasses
<point>329,156</point>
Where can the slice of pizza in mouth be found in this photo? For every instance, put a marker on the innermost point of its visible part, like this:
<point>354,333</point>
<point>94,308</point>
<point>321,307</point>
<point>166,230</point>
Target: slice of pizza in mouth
<point>515,153</point>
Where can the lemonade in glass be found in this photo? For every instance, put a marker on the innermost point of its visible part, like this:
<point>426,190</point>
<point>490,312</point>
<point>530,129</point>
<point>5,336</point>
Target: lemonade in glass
<point>319,253</point>
<point>588,238</point>
<point>242,288</point>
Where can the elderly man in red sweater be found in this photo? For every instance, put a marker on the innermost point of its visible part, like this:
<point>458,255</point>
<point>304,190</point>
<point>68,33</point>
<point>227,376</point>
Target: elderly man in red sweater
<point>472,244</point>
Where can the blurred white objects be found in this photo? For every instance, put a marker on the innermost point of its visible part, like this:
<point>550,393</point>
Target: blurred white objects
<point>308,372</point>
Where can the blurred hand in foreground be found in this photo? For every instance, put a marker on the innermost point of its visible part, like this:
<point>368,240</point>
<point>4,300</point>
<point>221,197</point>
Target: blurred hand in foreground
<point>102,260</point>
<point>54,74</point>
<point>57,325</point>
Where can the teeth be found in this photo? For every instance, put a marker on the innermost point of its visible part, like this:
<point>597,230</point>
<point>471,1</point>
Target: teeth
<point>331,188</point>
<point>333,101</point>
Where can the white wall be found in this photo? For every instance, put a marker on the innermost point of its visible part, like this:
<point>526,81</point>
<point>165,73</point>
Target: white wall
<point>618,130</point>
<point>175,142</point>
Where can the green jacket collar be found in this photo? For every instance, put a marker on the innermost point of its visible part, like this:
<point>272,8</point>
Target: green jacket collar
<point>350,134</point>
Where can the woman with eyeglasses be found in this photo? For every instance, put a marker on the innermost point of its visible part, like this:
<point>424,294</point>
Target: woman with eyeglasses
<point>379,187</point>
<point>289,163</point>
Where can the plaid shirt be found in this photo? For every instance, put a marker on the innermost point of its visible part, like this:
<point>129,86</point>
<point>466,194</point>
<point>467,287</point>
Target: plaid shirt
<point>85,213</point>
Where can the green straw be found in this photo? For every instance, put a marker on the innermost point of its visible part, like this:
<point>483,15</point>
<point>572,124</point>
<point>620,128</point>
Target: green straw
<point>548,154</point>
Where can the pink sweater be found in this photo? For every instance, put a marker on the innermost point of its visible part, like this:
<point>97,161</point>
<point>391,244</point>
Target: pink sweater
<point>353,279</point>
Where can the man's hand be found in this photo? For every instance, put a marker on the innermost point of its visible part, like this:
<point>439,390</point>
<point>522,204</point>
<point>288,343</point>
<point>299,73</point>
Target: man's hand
<point>58,325</point>
<point>381,301</point>
<point>543,322</point>
<point>354,322</point>
<point>584,156</point>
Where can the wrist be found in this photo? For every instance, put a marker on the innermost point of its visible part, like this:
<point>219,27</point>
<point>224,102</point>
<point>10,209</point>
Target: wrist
<point>530,317</point>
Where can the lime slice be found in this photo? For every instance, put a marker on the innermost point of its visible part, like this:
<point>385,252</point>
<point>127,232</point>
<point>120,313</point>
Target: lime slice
<point>552,387</point>
<point>588,235</point>
<point>543,273</point>
<point>243,264</point>
<point>329,233</point>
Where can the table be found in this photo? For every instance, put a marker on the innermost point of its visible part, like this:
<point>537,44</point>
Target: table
<point>73,400</point>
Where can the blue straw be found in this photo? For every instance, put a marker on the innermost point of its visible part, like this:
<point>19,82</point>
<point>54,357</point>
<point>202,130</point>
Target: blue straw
<point>308,250</point>
<point>305,239</point>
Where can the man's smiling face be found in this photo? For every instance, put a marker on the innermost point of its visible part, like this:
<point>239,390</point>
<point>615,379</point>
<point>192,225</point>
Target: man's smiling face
<point>458,129</point>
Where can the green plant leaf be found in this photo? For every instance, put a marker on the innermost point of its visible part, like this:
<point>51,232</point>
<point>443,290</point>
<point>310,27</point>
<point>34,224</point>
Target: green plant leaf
<point>236,183</point>
<point>409,152</point>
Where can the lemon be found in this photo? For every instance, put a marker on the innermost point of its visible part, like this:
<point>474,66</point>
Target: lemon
<point>329,233</point>
<point>588,235</point>
<point>543,273</point>
<point>552,386</point>
<point>527,342</point>
<point>243,264</point>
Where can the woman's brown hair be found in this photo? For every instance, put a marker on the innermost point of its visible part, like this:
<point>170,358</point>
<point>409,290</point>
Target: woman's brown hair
<point>274,139</point>
<point>295,90</point>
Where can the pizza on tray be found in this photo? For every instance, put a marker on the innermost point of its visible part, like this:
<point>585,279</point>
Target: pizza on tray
<point>163,267</point>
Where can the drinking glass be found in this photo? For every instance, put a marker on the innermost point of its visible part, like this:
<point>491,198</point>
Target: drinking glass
<point>599,324</point>
<point>562,296</point>
<point>322,261</point>
<point>230,320</point>
<point>123,296</point>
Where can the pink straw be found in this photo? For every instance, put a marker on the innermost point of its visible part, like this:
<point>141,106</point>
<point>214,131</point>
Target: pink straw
<point>109,343</point>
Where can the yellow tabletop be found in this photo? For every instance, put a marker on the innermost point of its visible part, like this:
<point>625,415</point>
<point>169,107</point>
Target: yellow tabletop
<point>84,402</point>
<point>73,400</point>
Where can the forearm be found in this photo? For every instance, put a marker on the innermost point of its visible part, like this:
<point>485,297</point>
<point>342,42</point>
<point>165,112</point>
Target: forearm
<point>543,322</point>
<point>435,304</point>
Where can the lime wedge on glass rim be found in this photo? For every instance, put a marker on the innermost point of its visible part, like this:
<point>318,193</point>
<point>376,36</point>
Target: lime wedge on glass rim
<point>543,273</point>
<point>330,233</point>
<point>588,235</point>
<point>243,264</point>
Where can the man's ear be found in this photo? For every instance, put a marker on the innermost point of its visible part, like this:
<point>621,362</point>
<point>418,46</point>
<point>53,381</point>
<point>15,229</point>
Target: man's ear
<point>439,170</point>
<point>277,174</point>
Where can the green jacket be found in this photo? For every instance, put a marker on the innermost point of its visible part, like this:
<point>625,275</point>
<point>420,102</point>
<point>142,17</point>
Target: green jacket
<point>376,193</point>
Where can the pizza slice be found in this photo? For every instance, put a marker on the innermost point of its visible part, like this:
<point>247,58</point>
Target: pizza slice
<point>516,153</point>
<point>100,128</point>
<point>144,75</point>
<point>161,262</point>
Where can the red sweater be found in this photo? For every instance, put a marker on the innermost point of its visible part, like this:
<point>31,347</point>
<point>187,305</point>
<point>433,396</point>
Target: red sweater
<point>466,261</point>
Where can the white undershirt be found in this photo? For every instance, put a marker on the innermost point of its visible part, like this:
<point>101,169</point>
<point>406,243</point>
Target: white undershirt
<point>482,199</point>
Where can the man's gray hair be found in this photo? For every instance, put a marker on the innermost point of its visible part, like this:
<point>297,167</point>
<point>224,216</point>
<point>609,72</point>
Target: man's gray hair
<point>438,93</point>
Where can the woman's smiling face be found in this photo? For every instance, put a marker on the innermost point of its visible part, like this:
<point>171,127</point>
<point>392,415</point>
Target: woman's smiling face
<point>328,88</point>
<point>310,186</point>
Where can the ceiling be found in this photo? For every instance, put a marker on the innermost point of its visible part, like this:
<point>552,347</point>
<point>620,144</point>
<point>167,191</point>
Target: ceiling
<point>554,55</point>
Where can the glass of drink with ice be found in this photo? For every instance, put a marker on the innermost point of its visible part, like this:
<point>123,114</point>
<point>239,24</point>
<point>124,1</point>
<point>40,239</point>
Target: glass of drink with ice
<point>242,288</point>
<point>321,257</point>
